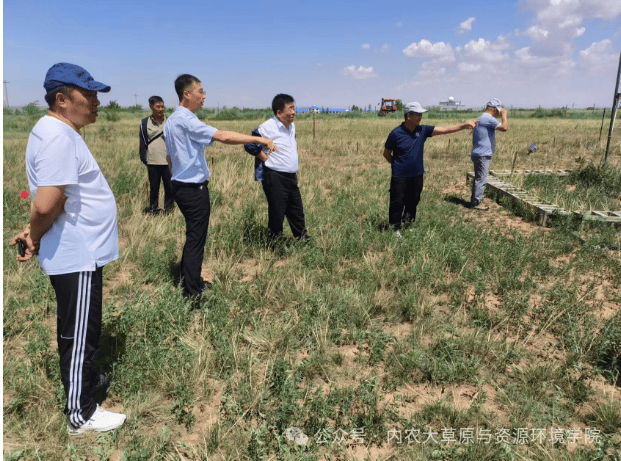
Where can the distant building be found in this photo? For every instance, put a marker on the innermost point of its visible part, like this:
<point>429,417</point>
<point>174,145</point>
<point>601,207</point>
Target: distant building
<point>451,104</point>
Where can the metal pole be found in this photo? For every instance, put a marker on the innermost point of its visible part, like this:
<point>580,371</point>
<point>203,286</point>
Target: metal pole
<point>615,103</point>
<point>7,94</point>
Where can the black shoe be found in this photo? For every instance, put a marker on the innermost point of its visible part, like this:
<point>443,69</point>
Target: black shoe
<point>154,212</point>
<point>168,210</point>
<point>197,302</point>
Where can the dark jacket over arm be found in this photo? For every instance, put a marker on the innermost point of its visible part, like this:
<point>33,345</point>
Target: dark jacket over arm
<point>255,149</point>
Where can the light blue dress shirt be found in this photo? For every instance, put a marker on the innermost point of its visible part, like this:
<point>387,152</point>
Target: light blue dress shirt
<point>186,138</point>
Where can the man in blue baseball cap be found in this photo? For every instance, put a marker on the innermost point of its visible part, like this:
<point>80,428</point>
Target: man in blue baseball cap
<point>73,230</point>
<point>404,151</point>
<point>483,147</point>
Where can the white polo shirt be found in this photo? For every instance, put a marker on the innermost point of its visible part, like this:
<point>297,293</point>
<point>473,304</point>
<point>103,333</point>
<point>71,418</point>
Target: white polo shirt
<point>85,235</point>
<point>286,159</point>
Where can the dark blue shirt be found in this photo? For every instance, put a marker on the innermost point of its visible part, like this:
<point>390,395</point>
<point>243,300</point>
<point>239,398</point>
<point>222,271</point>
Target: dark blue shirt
<point>407,150</point>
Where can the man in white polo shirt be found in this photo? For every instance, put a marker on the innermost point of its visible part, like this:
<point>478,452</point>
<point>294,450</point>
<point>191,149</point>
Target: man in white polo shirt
<point>186,138</point>
<point>73,230</point>
<point>278,171</point>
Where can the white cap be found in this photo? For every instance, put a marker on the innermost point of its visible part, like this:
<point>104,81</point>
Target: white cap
<point>414,107</point>
<point>494,103</point>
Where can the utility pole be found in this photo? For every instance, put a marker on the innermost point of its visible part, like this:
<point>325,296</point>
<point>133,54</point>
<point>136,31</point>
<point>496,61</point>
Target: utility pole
<point>7,94</point>
<point>615,104</point>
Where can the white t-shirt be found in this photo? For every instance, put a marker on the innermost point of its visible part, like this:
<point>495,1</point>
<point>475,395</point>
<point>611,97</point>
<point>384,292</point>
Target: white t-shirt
<point>85,236</point>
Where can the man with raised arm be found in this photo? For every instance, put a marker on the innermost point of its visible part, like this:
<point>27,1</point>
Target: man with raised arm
<point>404,151</point>
<point>73,230</point>
<point>186,137</point>
<point>483,147</point>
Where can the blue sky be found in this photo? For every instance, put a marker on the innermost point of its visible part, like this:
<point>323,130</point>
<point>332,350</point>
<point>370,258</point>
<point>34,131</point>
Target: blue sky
<point>329,53</point>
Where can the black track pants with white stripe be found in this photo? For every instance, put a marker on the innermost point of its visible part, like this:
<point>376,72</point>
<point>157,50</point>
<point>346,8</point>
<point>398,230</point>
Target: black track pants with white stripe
<point>78,297</point>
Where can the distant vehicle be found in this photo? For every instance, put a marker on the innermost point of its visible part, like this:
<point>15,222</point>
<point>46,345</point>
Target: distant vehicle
<point>388,106</point>
<point>314,109</point>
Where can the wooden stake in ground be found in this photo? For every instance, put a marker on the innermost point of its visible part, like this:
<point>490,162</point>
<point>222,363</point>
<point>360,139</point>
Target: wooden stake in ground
<point>513,164</point>
<point>602,127</point>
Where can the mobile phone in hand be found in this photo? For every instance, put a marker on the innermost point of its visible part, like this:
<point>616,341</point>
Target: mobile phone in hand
<point>21,247</point>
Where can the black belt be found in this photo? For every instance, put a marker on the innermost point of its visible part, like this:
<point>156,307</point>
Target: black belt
<point>191,185</point>
<point>289,175</point>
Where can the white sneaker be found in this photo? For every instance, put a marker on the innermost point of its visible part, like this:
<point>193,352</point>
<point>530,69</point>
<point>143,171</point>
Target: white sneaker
<point>398,234</point>
<point>101,421</point>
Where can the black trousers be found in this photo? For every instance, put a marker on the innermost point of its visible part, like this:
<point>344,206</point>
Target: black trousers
<point>78,331</point>
<point>283,199</point>
<point>193,202</point>
<point>159,173</point>
<point>404,198</point>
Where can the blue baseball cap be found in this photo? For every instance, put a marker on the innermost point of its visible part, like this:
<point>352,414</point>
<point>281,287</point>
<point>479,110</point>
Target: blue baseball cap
<point>64,73</point>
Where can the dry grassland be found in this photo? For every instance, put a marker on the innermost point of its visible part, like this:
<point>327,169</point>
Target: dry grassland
<point>472,320</point>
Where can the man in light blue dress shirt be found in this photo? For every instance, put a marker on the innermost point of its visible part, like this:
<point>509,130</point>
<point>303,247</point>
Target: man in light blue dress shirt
<point>186,137</point>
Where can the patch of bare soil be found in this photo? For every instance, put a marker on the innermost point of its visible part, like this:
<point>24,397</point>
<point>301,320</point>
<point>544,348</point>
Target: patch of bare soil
<point>206,415</point>
<point>496,216</point>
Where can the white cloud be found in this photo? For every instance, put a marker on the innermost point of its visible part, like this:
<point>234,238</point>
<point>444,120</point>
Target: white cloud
<point>466,26</point>
<point>544,66</point>
<point>431,72</point>
<point>558,23</point>
<point>366,46</point>
<point>537,33</point>
<point>483,50</point>
<point>467,67</point>
<point>359,72</point>
<point>439,51</point>
<point>385,47</point>
<point>599,58</point>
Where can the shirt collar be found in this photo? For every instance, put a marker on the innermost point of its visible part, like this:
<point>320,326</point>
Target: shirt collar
<point>280,124</point>
<point>155,123</point>
<point>185,110</point>
<point>405,128</point>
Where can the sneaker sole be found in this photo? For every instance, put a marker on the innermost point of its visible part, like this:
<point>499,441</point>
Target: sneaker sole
<point>82,430</point>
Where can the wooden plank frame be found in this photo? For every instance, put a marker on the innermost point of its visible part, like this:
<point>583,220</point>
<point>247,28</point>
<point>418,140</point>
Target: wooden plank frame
<point>544,209</point>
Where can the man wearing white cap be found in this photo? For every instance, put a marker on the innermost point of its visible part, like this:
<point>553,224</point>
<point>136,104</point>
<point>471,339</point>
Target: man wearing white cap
<point>483,146</point>
<point>404,151</point>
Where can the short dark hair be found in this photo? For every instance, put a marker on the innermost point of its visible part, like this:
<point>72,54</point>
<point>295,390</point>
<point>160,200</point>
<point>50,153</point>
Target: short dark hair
<point>154,99</point>
<point>50,97</point>
<point>184,81</point>
<point>280,101</point>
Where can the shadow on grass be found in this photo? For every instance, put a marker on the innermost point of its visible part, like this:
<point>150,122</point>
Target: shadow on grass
<point>457,200</point>
<point>112,347</point>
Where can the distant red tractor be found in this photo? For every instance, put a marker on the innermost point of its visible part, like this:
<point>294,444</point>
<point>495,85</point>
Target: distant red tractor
<point>388,106</point>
